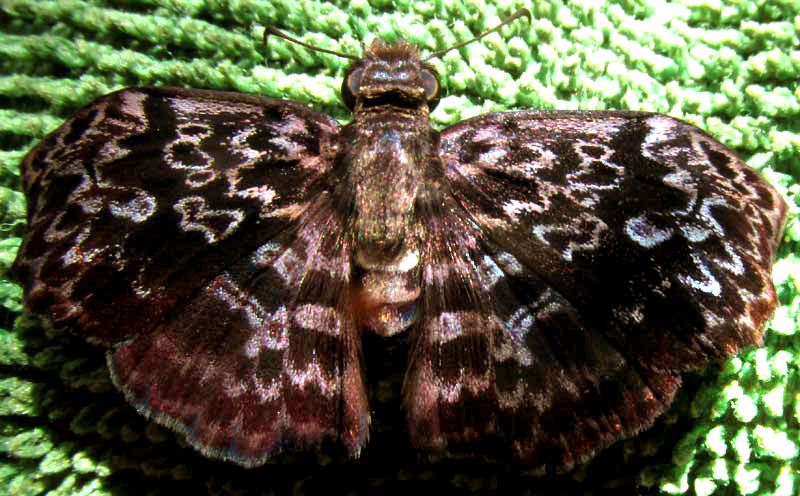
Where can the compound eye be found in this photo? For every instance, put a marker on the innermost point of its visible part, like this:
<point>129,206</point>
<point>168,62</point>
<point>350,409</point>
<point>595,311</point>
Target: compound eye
<point>351,87</point>
<point>430,83</point>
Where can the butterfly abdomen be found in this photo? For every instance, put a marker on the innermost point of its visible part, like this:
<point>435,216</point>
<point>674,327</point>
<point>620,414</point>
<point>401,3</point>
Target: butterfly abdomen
<point>387,297</point>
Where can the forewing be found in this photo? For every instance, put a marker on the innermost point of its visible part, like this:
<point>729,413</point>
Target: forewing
<point>146,194</point>
<point>169,223</point>
<point>629,247</point>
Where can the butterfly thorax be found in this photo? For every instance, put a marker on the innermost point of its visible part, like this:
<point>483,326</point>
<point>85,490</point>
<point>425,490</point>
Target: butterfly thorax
<point>389,147</point>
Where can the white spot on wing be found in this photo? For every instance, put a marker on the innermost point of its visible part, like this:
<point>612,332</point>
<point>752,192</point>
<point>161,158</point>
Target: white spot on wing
<point>645,234</point>
<point>518,326</point>
<point>264,194</point>
<point>508,262</point>
<point>136,209</point>
<point>513,208</point>
<point>312,374</point>
<point>451,325</point>
<point>489,272</point>
<point>196,216</point>
<point>318,318</point>
<point>492,156</point>
<point>288,265</point>
<point>708,285</point>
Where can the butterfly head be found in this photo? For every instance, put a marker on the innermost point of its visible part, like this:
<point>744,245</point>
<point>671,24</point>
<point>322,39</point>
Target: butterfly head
<point>391,74</point>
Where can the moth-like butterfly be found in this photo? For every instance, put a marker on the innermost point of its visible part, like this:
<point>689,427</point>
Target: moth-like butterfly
<point>557,270</point>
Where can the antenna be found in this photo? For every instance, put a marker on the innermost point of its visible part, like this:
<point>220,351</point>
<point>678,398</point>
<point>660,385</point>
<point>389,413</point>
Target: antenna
<point>516,15</point>
<point>280,34</point>
<point>523,12</point>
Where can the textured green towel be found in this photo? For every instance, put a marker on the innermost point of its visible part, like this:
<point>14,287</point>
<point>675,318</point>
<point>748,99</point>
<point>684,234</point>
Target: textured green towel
<point>730,67</point>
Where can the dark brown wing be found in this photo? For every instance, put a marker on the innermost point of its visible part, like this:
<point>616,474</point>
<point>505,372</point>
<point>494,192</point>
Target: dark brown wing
<point>605,253</point>
<point>179,226</point>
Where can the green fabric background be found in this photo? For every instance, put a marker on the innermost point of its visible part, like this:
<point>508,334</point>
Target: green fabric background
<point>730,67</point>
